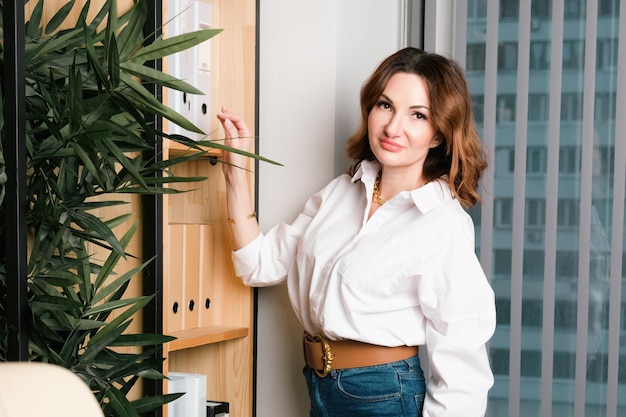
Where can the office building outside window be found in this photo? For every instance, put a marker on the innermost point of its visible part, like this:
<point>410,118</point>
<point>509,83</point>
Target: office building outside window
<point>549,92</point>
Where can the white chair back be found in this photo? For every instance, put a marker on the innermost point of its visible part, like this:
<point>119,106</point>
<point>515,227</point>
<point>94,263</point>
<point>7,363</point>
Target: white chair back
<point>33,389</point>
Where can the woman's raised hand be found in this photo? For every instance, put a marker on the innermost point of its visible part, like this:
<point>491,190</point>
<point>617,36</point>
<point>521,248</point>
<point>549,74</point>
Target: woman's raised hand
<point>237,136</point>
<point>241,216</point>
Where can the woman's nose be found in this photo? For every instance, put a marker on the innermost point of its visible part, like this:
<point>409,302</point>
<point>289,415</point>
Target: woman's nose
<point>394,125</point>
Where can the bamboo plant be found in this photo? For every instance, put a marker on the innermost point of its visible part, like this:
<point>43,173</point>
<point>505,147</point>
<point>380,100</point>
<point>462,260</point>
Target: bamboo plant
<point>86,137</point>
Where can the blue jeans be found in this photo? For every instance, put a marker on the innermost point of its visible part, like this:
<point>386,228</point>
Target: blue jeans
<point>393,389</point>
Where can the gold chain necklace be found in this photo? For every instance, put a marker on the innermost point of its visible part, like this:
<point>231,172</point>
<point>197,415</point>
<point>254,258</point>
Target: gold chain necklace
<point>376,193</point>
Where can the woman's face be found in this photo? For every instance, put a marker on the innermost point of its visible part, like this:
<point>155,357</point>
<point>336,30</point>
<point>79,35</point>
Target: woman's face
<point>400,131</point>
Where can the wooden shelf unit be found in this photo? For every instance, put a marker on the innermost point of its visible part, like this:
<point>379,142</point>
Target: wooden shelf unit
<point>215,338</point>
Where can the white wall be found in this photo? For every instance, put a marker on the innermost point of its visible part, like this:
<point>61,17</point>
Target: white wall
<point>314,56</point>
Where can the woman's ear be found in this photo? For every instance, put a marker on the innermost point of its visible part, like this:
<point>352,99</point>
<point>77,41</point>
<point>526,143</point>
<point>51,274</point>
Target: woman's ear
<point>436,141</point>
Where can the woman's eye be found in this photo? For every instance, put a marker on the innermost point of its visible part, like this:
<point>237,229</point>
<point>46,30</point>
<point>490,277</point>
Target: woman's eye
<point>419,115</point>
<point>383,105</point>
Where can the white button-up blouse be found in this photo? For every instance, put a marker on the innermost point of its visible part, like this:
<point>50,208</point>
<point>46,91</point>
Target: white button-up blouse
<point>407,276</point>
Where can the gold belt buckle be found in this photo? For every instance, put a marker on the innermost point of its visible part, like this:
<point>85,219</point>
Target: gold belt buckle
<point>326,355</point>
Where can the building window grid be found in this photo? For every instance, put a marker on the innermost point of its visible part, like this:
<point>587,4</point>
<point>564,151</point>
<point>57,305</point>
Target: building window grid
<point>570,159</point>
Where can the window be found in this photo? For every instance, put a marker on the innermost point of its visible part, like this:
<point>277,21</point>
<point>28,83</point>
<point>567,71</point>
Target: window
<point>568,213</point>
<point>478,108</point>
<point>605,106</point>
<point>571,107</point>
<point>476,9</point>
<point>538,107</point>
<point>507,56</point>
<point>509,9</point>
<point>608,8</point>
<point>539,55</point>
<point>569,160</point>
<point>535,215</point>
<point>552,226</point>
<point>504,210</point>
<point>476,57</point>
<point>603,160</point>
<point>573,54</point>
<point>505,111</point>
<point>574,9</point>
<point>606,54</point>
<point>536,160</point>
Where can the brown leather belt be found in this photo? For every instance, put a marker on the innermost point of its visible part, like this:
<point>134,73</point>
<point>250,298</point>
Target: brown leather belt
<point>323,355</point>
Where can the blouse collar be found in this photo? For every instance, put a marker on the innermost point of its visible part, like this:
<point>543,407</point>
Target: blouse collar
<point>425,198</point>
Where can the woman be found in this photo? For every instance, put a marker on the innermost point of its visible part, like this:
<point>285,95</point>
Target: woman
<point>381,260</point>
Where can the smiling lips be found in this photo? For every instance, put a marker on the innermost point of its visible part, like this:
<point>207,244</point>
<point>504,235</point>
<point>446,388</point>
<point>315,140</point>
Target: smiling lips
<point>389,145</point>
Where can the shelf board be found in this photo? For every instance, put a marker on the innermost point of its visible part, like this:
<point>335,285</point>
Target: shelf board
<point>201,336</point>
<point>176,149</point>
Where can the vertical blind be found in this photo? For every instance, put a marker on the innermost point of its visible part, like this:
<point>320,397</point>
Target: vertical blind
<point>548,87</point>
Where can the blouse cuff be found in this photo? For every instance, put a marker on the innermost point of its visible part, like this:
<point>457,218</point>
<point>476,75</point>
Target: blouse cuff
<point>246,258</point>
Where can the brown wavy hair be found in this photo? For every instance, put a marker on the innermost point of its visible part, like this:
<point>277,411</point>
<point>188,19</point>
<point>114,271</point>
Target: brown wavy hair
<point>460,155</point>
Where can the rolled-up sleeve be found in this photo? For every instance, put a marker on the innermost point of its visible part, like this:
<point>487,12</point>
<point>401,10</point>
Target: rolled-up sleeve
<point>266,260</point>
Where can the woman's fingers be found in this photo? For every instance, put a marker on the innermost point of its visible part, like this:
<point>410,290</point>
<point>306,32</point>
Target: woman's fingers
<point>237,136</point>
<point>229,129</point>
<point>239,127</point>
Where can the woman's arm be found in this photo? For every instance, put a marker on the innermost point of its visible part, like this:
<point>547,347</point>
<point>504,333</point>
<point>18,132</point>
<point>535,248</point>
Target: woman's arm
<point>459,304</point>
<point>244,225</point>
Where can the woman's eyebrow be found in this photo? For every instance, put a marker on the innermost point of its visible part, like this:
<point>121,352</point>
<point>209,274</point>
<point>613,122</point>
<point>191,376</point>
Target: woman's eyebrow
<point>416,106</point>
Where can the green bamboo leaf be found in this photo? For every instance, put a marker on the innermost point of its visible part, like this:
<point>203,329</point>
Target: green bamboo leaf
<point>39,343</point>
<point>142,366</point>
<point>53,243</point>
<point>113,61</point>
<point>34,23</point>
<point>117,283</point>
<point>139,303</point>
<point>124,373</point>
<point>175,160</point>
<point>148,191</point>
<point>147,404</point>
<point>165,47</point>
<point>144,339</point>
<point>150,373</point>
<point>69,352</point>
<point>59,17</point>
<point>89,222</point>
<point>121,99</point>
<point>95,62</point>
<point>145,96</point>
<point>93,205</point>
<point>117,404</point>
<point>131,37</point>
<point>75,100</point>
<point>154,106</point>
<point>124,161</point>
<point>82,16</point>
<point>58,303</point>
<point>173,180</point>
<point>111,27</point>
<point>54,44</point>
<point>88,163</point>
<point>110,306</point>
<point>101,340</point>
<point>97,130</point>
<point>116,221</point>
<point>84,271</point>
<point>41,337</point>
<point>153,75</point>
<point>85,324</point>
<point>60,278</point>
<point>217,145</point>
